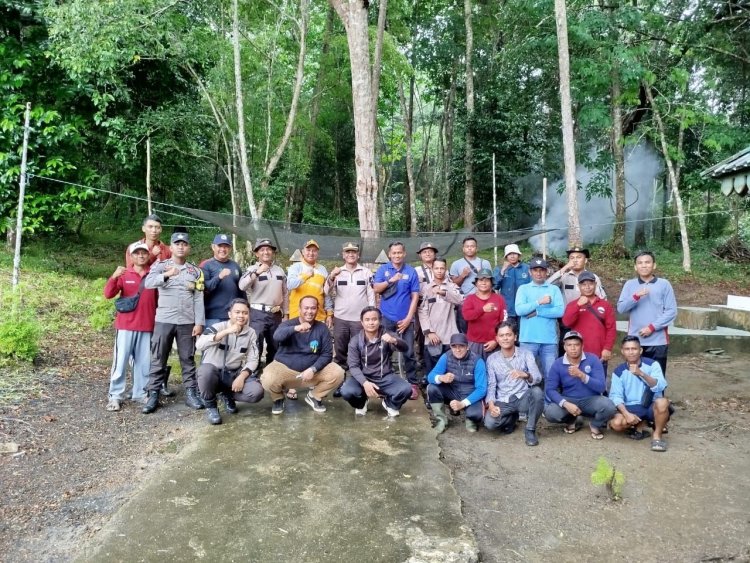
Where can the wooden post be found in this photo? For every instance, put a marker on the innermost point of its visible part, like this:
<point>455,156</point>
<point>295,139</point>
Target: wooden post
<point>148,173</point>
<point>494,209</point>
<point>544,217</point>
<point>21,195</point>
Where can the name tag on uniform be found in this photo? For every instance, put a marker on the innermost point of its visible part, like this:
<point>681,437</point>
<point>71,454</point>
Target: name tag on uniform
<point>570,287</point>
<point>262,278</point>
<point>405,277</point>
<point>280,278</point>
<point>243,350</point>
<point>341,283</point>
<point>361,282</point>
<point>432,300</point>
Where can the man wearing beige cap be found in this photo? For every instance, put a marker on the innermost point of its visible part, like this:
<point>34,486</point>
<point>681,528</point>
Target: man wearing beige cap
<point>307,277</point>
<point>350,288</point>
<point>265,284</point>
<point>509,276</point>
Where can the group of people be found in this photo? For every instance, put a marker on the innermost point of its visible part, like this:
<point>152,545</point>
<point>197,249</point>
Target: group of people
<point>488,340</point>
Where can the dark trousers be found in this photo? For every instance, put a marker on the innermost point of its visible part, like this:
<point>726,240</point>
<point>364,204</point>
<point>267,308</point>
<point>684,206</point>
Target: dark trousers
<point>601,409</point>
<point>410,362</point>
<point>658,354</point>
<point>394,390</point>
<point>532,402</point>
<point>210,382</point>
<point>460,321</point>
<point>265,324</point>
<point>343,332</point>
<point>429,360</point>
<point>446,392</point>
<point>161,344</point>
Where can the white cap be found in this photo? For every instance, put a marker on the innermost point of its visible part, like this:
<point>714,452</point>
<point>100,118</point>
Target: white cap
<point>511,249</point>
<point>138,246</point>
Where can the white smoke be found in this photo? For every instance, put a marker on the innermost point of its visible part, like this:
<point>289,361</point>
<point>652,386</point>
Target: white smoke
<point>642,167</point>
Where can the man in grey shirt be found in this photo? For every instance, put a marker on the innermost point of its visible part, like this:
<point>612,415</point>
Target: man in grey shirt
<point>464,271</point>
<point>179,315</point>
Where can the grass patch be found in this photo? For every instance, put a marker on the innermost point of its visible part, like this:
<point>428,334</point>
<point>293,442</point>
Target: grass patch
<point>18,383</point>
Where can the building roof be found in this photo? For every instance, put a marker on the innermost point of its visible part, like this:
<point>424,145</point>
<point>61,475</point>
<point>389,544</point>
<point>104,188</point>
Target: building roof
<point>733,173</point>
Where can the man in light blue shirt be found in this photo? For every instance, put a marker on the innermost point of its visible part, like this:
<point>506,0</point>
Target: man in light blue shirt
<point>464,272</point>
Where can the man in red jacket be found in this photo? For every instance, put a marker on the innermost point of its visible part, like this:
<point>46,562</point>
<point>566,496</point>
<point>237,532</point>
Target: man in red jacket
<point>133,337</point>
<point>594,318</point>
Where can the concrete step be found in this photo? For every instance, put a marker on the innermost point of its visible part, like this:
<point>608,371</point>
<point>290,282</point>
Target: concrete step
<point>697,318</point>
<point>689,341</point>
<point>732,317</point>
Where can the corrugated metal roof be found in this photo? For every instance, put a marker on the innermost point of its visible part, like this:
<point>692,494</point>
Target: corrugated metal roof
<point>733,173</point>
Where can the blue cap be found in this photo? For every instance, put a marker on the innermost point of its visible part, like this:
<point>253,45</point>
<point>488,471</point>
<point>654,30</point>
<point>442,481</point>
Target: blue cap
<point>222,239</point>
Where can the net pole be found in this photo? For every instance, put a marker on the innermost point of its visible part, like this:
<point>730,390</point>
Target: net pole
<point>494,209</point>
<point>148,174</point>
<point>21,195</point>
<point>544,217</point>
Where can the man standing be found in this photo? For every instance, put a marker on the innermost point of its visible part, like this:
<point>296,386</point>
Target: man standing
<point>265,284</point>
<point>133,328</point>
<point>459,379</point>
<point>637,391</point>
<point>539,304</point>
<point>222,276</point>
<point>508,278</point>
<point>397,284</point>
<point>369,360</point>
<point>652,307</point>
<point>594,318</point>
<point>437,312</point>
<point>304,358</point>
<point>574,387</point>
<point>180,315</point>
<point>566,278</point>
<point>513,380</point>
<point>229,364</point>
<point>483,311</point>
<point>307,277</point>
<point>427,254</point>
<point>464,272</point>
<point>157,250</point>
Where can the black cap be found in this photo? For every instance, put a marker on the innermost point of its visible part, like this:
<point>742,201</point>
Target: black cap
<point>459,338</point>
<point>538,263</point>
<point>572,334</point>
<point>586,276</point>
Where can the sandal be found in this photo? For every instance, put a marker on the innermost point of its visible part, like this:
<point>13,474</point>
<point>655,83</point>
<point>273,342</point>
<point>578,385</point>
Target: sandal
<point>573,427</point>
<point>291,394</point>
<point>596,434</point>
<point>113,405</point>
<point>658,445</point>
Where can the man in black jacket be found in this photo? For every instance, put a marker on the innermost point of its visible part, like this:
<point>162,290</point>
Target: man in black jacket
<point>304,358</point>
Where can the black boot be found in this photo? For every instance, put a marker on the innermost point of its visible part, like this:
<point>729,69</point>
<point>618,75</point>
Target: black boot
<point>229,405</point>
<point>192,399</point>
<point>212,413</point>
<point>165,390</point>
<point>152,404</point>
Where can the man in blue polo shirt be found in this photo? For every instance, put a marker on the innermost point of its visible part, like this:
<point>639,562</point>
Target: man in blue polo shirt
<point>222,278</point>
<point>574,388</point>
<point>398,286</point>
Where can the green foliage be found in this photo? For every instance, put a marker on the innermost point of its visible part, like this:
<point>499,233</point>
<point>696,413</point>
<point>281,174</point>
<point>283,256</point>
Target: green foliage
<point>19,330</point>
<point>606,474</point>
<point>102,309</point>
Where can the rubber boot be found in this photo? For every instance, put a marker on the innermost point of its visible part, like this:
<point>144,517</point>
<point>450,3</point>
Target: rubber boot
<point>441,419</point>
<point>165,390</point>
<point>471,426</point>
<point>152,404</point>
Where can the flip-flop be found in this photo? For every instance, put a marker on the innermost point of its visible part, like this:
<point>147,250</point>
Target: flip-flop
<point>596,434</point>
<point>573,427</point>
<point>291,394</point>
<point>658,445</point>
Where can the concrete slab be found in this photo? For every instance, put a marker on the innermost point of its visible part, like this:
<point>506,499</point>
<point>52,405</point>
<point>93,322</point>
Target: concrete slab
<point>298,487</point>
<point>733,318</point>
<point>689,341</point>
<point>700,318</point>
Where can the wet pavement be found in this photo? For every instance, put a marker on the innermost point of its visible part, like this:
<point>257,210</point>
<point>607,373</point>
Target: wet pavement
<point>300,486</point>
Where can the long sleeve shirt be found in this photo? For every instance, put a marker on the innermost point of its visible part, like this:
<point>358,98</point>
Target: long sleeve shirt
<point>304,280</point>
<point>218,293</point>
<point>500,385</point>
<point>481,324</point>
<point>301,350</point>
<point>268,288</point>
<point>480,378</point>
<point>595,321</point>
<point>539,322</point>
<point>234,351</point>
<point>657,309</point>
<point>560,384</point>
<point>509,282</point>
<point>437,313</point>
<point>370,360</point>
<point>143,317</point>
<point>180,296</point>
<point>627,388</point>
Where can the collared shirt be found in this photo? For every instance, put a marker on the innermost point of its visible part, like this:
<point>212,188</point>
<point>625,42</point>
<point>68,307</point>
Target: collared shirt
<point>568,284</point>
<point>180,296</point>
<point>396,307</point>
<point>627,388</point>
<point>437,313</point>
<point>234,351</point>
<point>142,318</point>
<point>657,309</point>
<point>268,288</point>
<point>476,264</point>
<point>539,322</point>
<point>560,384</point>
<point>351,292</point>
<point>509,282</point>
<point>304,280</point>
<point>595,321</point>
<point>500,385</point>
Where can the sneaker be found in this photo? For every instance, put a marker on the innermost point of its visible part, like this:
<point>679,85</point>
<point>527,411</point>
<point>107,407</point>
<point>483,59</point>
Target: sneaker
<point>278,407</point>
<point>316,405</point>
<point>337,392</point>
<point>531,439</point>
<point>391,412</point>
<point>362,411</point>
<point>414,392</point>
<point>229,405</point>
<point>523,417</point>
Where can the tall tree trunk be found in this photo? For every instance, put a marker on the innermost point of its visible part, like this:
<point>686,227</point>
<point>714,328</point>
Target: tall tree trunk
<point>469,153</point>
<point>449,112</point>
<point>673,174</point>
<point>245,167</point>
<point>566,110</point>
<point>407,110</point>
<point>353,14</point>
<point>377,65</point>
<point>618,153</point>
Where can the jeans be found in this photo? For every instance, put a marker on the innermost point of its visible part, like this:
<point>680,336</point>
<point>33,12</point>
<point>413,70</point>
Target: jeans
<point>394,390</point>
<point>601,409</point>
<point>532,402</point>
<point>130,344</point>
<point>545,355</point>
<point>410,362</point>
<point>446,392</point>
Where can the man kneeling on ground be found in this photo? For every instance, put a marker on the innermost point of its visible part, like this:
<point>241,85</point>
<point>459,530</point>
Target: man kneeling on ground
<point>574,387</point>
<point>513,380</point>
<point>369,360</point>
<point>304,358</point>
<point>460,379</point>
<point>637,390</point>
<point>230,358</point>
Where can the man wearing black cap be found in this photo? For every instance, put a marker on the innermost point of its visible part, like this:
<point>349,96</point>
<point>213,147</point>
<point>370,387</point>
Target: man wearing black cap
<point>179,315</point>
<point>265,284</point>
<point>594,318</point>
<point>566,278</point>
<point>574,387</point>
<point>459,379</point>
<point>222,276</point>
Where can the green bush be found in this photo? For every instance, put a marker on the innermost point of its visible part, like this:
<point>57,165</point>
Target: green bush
<point>102,309</point>
<point>19,331</point>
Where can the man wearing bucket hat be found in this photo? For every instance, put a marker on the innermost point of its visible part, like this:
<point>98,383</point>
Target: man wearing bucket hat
<point>267,294</point>
<point>509,276</point>
<point>427,253</point>
<point>222,276</point>
<point>566,278</point>
<point>459,379</point>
